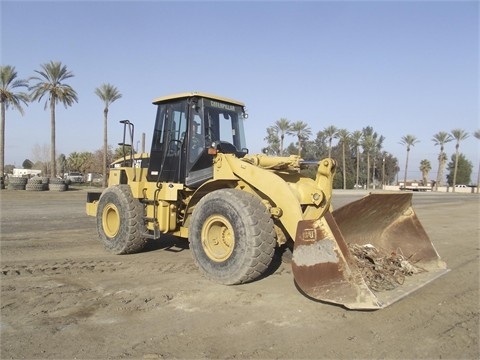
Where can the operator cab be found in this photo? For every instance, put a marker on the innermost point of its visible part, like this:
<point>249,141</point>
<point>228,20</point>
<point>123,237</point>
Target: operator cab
<point>186,126</point>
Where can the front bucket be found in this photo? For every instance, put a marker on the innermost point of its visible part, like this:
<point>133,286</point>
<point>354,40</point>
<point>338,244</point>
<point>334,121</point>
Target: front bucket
<point>365,255</point>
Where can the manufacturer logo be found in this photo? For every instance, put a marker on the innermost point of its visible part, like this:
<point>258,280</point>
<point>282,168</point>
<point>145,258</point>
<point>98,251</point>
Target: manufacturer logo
<point>309,234</point>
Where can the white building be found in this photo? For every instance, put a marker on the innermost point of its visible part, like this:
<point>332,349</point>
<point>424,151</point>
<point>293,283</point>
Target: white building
<point>28,172</point>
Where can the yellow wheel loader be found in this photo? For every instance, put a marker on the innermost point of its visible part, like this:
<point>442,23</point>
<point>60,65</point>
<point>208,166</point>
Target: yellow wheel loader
<point>199,182</point>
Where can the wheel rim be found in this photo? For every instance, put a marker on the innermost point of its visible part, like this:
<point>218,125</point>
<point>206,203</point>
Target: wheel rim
<point>218,238</point>
<point>110,220</point>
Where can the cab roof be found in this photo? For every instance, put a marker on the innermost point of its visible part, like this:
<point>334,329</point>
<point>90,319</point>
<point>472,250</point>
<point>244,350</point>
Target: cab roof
<point>195,93</point>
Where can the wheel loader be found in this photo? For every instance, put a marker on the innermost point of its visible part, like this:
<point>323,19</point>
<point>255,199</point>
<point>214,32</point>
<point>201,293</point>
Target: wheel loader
<point>199,182</point>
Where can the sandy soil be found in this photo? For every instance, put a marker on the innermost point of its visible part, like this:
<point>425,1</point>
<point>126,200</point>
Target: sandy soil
<point>64,297</point>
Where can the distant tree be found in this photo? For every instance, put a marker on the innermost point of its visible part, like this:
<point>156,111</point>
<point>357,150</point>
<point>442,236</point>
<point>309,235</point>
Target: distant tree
<point>119,153</point>
<point>91,161</point>
<point>9,169</point>
<point>62,163</point>
<point>108,94</point>
<point>27,164</point>
<point>463,169</point>
<point>50,83</point>
<point>282,127</point>
<point>477,135</point>
<point>331,133</point>
<point>96,165</point>
<point>441,138</point>
<point>371,144</point>
<point>343,138</point>
<point>321,149</point>
<point>310,151</point>
<point>408,141</point>
<point>302,131</point>
<point>458,135</point>
<point>377,158</point>
<point>425,168</point>
<point>78,161</point>
<point>355,139</point>
<point>95,161</point>
<point>273,142</point>
<point>42,166</point>
<point>40,156</point>
<point>389,167</point>
<point>292,149</point>
<point>9,97</point>
<point>368,143</point>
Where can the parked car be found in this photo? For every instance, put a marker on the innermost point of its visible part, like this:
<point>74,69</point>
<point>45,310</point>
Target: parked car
<point>74,177</point>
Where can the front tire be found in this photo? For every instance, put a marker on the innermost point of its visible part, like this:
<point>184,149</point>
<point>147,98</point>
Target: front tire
<point>232,236</point>
<point>120,224</point>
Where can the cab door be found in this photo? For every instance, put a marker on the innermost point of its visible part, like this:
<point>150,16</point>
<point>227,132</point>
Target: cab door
<point>199,163</point>
<point>168,154</point>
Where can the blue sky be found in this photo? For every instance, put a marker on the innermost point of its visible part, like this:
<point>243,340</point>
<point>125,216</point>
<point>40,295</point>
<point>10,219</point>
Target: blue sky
<point>402,67</point>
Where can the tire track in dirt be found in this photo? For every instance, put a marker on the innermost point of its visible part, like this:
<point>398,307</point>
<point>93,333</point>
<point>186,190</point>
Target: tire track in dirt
<point>95,266</point>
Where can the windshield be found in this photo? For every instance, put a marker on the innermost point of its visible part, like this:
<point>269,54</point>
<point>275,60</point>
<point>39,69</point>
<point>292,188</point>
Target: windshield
<point>225,123</point>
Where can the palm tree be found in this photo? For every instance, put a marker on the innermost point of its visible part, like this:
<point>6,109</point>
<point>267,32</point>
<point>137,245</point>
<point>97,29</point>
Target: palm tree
<point>441,138</point>
<point>458,135</point>
<point>409,141</point>
<point>343,137</point>
<point>282,127</point>
<point>108,94</point>
<point>371,143</point>
<point>425,168</point>
<point>302,131</point>
<point>50,83</point>
<point>356,138</point>
<point>8,84</point>
<point>330,132</point>
<point>368,143</point>
<point>477,135</point>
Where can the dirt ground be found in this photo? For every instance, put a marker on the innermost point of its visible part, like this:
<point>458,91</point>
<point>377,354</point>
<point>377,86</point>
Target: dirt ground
<point>64,297</point>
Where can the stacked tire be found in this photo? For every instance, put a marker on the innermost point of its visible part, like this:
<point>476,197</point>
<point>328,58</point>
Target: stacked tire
<point>45,180</point>
<point>17,183</point>
<point>36,184</point>
<point>56,184</point>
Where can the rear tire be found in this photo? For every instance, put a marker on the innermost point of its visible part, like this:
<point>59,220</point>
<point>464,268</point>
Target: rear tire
<point>231,236</point>
<point>120,224</point>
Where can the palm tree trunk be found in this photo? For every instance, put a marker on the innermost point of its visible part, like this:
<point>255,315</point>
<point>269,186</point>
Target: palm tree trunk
<point>442,167</point>
<point>406,168</point>
<point>455,170</point>
<point>2,140</point>
<point>358,166</point>
<point>368,171</point>
<point>344,170</point>
<point>478,179</point>
<point>105,146</point>
<point>282,137</point>
<point>53,169</point>
<point>439,172</point>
